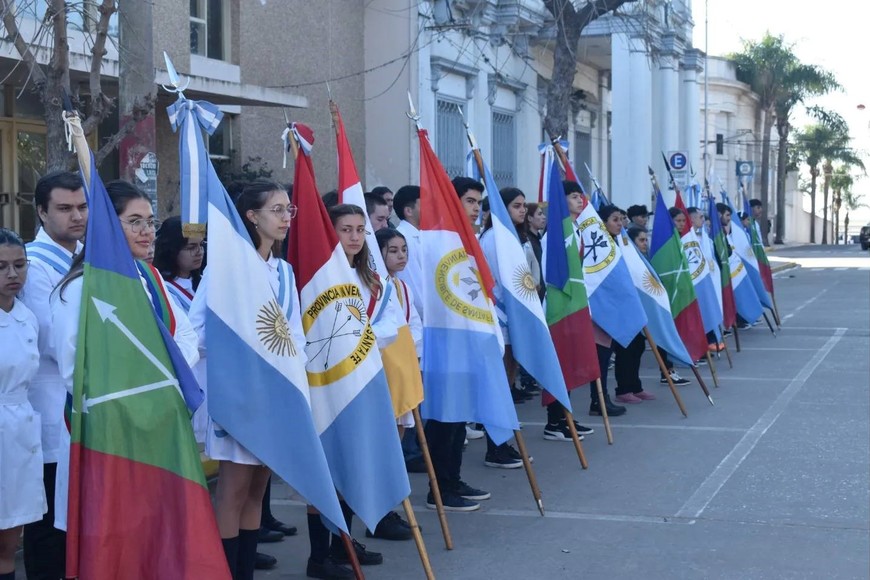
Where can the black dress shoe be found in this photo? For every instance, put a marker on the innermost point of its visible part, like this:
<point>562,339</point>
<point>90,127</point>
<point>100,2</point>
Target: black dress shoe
<point>365,557</point>
<point>416,465</point>
<point>391,527</point>
<point>328,569</point>
<point>267,536</point>
<point>265,561</point>
<point>279,526</point>
<point>612,410</point>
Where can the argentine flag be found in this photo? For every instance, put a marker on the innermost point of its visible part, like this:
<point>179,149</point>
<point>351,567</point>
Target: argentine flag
<point>257,387</point>
<point>517,297</point>
<point>613,301</point>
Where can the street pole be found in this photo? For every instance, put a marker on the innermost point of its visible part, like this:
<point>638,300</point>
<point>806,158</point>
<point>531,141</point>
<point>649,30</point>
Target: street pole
<point>706,82</point>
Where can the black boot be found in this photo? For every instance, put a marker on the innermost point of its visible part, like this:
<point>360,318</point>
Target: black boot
<point>613,410</point>
<point>231,550</point>
<point>8,575</point>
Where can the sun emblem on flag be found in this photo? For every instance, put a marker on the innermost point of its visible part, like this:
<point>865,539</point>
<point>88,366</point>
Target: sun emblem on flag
<point>524,283</point>
<point>273,330</point>
<point>651,284</point>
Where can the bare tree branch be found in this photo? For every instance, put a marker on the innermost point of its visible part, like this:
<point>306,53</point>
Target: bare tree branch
<point>101,105</point>
<point>8,7</point>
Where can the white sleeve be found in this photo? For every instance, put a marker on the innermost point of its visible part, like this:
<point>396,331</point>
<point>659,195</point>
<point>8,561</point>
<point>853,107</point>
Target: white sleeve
<point>65,313</point>
<point>196,314</point>
<point>185,336</point>
<point>413,274</point>
<point>386,328</point>
<point>416,325</point>
<point>35,295</point>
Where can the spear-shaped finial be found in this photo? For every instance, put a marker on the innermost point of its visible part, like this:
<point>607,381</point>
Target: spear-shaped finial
<point>175,83</point>
<point>412,113</point>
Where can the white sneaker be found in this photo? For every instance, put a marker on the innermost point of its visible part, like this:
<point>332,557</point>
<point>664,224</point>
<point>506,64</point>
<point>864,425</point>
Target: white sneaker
<point>676,379</point>
<point>472,433</point>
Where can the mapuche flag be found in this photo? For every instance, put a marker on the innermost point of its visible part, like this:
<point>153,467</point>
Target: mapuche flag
<point>567,306</point>
<point>349,395</point>
<point>463,374</point>
<point>138,506</point>
<point>400,356</point>
<point>669,262</point>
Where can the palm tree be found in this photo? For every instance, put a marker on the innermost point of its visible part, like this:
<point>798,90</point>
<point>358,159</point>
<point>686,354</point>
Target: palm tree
<point>812,145</point>
<point>781,81</point>
<point>851,202</point>
<point>841,181</point>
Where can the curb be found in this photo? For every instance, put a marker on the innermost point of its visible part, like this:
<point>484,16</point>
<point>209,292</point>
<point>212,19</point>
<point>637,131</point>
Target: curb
<point>783,267</point>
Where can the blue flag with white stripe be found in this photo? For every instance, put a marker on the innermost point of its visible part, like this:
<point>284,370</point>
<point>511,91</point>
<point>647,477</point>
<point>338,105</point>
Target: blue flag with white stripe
<point>257,386</point>
<point>516,297</point>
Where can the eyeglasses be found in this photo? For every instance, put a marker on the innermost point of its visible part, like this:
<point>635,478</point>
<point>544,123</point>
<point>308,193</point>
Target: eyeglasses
<point>280,211</point>
<point>6,269</point>
<point>195,248</point>
<point>137,226</point>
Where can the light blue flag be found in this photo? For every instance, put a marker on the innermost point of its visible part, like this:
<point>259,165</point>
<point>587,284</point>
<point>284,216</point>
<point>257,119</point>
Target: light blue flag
<point>516,298</point>
<point>258,392</point>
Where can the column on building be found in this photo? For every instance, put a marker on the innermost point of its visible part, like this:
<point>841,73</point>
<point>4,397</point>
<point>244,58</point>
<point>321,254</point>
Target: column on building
<point>632,121</point>
<point>668,108</point>
<point>690,93</point>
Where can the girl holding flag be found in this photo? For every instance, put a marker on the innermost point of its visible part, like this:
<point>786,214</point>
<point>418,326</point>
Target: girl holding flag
<point>23,498</point>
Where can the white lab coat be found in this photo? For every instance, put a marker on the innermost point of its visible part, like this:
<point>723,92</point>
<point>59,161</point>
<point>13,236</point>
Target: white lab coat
<point>65,313</point>
<point>47,393</point>
<point>22,494</point>
<point>413,272</point>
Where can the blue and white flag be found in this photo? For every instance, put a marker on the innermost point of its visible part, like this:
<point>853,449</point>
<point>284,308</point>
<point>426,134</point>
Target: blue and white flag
<point>257,386</point>
<point>516,296</point>
<point>613,301</point>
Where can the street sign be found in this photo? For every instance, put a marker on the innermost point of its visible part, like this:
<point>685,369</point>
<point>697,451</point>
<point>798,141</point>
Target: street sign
<point>745,169</point>
<point>146,175</point>
<point>679,165</point>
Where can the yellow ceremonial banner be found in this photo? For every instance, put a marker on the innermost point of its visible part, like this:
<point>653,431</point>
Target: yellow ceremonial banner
<point>403,372</point>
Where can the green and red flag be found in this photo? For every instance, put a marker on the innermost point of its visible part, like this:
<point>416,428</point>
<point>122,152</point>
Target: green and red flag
<point>760,255</point>
<point>138,505</point>
<point>567,308</point>
<point>670,263</point>
<point>721,249</point>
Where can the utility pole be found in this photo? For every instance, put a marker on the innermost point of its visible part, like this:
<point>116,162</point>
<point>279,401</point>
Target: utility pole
<point>706,84</point>
<point>138,150</point>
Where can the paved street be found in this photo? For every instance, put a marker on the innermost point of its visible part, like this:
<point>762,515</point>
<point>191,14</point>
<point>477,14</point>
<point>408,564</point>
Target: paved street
<point>772,482</point>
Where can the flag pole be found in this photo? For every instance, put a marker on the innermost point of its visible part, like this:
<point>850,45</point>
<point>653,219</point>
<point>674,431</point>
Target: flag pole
<point>665,371</point>
<point>603,406</point>
<point>713,372</point>
<point>418,539</point>
<point>769,325</point>
<point>521,444</point>
<point>736,337</point>
<point>433,481</point>
<point>345,538</point>
<point>702,383</point>
<point>576,438</point>
<point>725,343</point>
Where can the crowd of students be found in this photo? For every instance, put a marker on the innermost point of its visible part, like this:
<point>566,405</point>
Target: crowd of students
<point>40,295</point>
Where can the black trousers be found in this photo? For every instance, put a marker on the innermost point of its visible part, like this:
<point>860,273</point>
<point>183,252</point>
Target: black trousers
<point>627,367</point>
<point>45,545</point>
<point>604,353</point>
<point>445,446</point>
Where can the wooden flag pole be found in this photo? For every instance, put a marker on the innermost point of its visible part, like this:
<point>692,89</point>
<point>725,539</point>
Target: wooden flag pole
<point>433,481</point>
<point>576,438</point>
<point>713,370</point>
<point>533,481</point>
<point>702,384</point>
<point>418,539</point>
<point>665,371</point>
<point>776,311</point>
<point>725,343</point>
<point>769,325</point>
<point>351,555</point>
<point>736,336</point>
<point>603,407</point>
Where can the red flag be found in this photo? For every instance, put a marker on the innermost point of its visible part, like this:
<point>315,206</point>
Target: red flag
<point>682,207</point>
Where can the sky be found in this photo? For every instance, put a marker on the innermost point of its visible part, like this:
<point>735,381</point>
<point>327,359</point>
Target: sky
<point>832,34</point>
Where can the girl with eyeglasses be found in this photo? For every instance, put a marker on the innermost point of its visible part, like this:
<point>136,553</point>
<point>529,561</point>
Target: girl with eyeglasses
<point>179,261</point>
<point>243,479</point>
<point>133,208</point>
<point>22,500</point>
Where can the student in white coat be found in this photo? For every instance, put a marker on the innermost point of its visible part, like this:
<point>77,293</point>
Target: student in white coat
<point>266,211</point>
<point>179,259</point>
<point>23,496</point>
<point>137,221</point>
<point>63,212</point>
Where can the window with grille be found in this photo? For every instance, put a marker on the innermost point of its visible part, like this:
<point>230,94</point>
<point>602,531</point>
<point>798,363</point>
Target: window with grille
<point>450,137</point>
<point>504,157</point>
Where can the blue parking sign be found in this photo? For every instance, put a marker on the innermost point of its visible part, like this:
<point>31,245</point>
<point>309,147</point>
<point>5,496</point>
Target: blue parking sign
<point>678,161</point>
